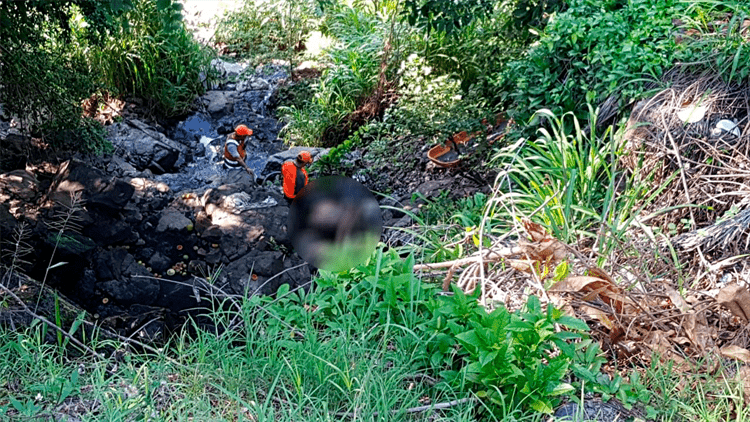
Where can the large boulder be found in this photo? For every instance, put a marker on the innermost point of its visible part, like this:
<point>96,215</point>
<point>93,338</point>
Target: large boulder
<point>19,185</point>
<point>76,179</point>
<point>146,148</point>
<point>126,281</point>
<point>218,103</point>
<point>262,272</point>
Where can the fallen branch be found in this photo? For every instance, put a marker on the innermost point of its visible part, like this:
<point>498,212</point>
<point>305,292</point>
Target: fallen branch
<point>417,409</point>
<point>50,323</point>
<point>488,254</point>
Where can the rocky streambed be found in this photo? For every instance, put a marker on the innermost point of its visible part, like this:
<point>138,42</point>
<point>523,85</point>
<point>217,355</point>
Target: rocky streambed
<point>141,232</point>
<point>138,237</point>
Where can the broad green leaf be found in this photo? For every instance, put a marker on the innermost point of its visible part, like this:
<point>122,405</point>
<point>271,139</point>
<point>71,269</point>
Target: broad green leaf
<point>541,406</point>
<point>560,389</point>
<point>574,323</point>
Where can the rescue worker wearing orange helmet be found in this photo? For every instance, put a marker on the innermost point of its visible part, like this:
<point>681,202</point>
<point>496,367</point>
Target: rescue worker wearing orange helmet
<point>294,174</point>
<point>234,149</point>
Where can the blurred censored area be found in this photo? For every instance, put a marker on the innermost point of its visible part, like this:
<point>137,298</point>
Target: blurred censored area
<point>335,223</point>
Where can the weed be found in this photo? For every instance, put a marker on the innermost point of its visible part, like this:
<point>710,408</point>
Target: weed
<point>564,176</point>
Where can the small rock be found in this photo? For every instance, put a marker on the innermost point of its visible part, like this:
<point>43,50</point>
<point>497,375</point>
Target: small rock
<point>173,220</point>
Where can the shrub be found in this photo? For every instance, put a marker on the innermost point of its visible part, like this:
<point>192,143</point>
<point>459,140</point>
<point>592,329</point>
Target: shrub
<point>267,29</point>
<point>44,74</point>
<point>514,360</point>
<point>431,105</point>
<point>151,55</point>
<point>349,80</point>
<point>590,51</point>
<point>565,177</point>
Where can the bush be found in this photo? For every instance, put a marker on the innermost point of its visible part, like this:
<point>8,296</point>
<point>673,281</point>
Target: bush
<point>349,80</point>
<point>590,51</point>
<point>267,29</point>
<point>44,74</point>
<point>151,55</point>
<point>432,105</point>
<point>514,360</point>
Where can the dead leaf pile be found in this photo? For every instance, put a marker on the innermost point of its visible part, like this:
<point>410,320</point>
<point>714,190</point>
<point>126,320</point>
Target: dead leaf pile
<point>654,319</point>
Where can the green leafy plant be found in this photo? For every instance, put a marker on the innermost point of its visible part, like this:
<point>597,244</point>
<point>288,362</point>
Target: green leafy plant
<point>592,50</point>
<point>565,175</point>
<point>445,15</point>
<point>431,105</point>
<point>521,357</point>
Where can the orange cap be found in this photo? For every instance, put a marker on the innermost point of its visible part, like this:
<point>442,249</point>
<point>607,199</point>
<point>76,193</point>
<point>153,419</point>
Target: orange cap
<point>243,130</point>
<point>305,157</point>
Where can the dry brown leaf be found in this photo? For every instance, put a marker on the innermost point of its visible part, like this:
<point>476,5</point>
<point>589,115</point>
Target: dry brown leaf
<point>735,352</point>
<point>736,298</point>
<point>599,315</point>
<point>536,232</point>
<point>523,265</point>
<point>698,332</point>
<point>744,375</point>
<point>595,287</point>
<point>658,342</point>
<point>598,272</point>
<point>677,300</point>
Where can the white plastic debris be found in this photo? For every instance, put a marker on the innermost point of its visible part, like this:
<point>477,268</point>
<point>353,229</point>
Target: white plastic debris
<point>241,201</point>
<point>692,113</point>
<point>726,126</point>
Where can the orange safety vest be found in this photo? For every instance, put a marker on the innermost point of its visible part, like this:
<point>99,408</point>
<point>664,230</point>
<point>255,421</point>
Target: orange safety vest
<point>295,179</point>
<point>230,160</point>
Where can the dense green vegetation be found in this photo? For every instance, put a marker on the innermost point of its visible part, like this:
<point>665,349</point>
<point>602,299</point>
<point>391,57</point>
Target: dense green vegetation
<point>378,340</point>
<point>58,53</point>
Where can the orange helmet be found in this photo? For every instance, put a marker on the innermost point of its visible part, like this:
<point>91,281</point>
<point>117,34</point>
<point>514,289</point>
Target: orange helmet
<point>243,130</point>
<point>305,157</point>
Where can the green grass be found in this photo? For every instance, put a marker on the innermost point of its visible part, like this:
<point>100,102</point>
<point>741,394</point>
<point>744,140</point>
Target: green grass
<point>374,341</point>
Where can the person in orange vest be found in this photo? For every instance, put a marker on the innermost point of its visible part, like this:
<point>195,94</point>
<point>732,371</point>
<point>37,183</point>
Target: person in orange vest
<point>234,149</point>
<point>294,174</point>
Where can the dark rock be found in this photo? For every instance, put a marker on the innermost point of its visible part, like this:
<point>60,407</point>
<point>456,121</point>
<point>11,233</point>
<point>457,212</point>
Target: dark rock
<point>132,283</point>
<point>158,262</point>
<point>432,188</point>
<point>106,263</point>
<point>198,267</point>
<point>132,214</point>
<point>212,234</point>
<point>94,187</point>
<point>18,185</point>
<point>7,224</point>
<point>173,220</point>
<point>145,148</point>
<point>108,231</point>
<point>214,256</point>
<point>121,168</point>
<point>267,268</point>
<point>86,286</point>
<point>233,247</point>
